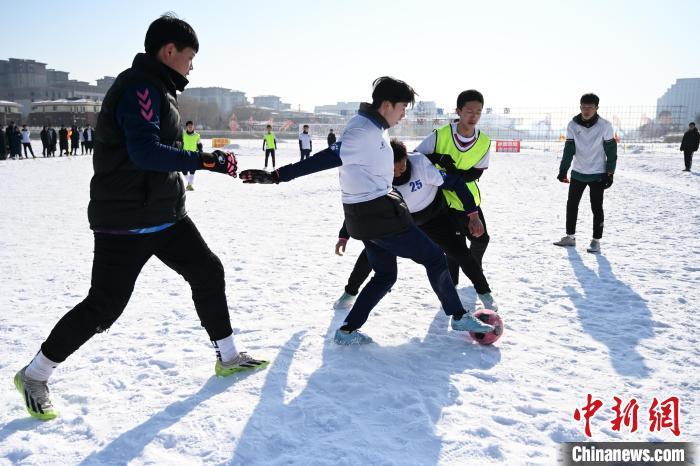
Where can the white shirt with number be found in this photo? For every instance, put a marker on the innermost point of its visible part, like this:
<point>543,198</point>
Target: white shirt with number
<point>423,184</point>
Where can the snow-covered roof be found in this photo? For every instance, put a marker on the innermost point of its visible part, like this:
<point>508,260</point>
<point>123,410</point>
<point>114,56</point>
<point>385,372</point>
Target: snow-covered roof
<point>68,102</point>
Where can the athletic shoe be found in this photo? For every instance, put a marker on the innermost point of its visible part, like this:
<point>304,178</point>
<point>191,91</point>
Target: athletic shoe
<point>345,301</point>
<point>566,241</point>
<point>594,247</point>
<point>240,363</point>
<point>488,301</point>
<point>469,323</point>
<point>351,338</point>
<point>189,187</point>
<point>36,396</point>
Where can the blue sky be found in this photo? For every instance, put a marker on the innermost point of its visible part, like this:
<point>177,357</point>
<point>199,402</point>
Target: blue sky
<point>537,53</point>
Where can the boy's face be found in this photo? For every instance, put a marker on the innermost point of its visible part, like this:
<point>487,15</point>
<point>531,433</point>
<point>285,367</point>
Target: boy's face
<point>190,127</point>
<point>393,113</point>
<point>179,60</point>
<point>588,110</point>
<point>400,167</point>
<point>306,129</point>
<point>269,130</point>
<point>470,113</point>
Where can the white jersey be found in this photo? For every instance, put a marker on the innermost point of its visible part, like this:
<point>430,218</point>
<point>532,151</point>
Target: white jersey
<point>589,158</point>
<point>368,161</point>
<point>305,140</point>
<point>25,136</point>
<point>463,143</point>
<point>423,184</point>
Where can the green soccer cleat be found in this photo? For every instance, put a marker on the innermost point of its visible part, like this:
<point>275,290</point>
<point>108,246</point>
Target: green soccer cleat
<point>36,396</point>
<point>240,363</point>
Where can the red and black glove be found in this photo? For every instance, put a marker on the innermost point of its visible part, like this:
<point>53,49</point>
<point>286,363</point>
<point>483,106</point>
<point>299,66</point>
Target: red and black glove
<point>220,162</point>
<point>260,177</point>
<point>563,178</point>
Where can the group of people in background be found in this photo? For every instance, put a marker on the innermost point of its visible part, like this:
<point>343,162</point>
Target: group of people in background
<point>16,143</point>
<point>269,146</point>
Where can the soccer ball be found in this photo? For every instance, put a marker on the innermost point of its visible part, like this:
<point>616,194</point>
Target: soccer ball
<point>491,318</point>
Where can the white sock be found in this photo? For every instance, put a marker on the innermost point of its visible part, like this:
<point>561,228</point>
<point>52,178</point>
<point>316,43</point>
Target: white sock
<point>40,368</point>
<point>572,236</point>
<point>225,348</point>
<point>190,178</point>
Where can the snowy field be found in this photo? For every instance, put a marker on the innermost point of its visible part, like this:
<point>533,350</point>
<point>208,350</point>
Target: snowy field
<point>622,324</point>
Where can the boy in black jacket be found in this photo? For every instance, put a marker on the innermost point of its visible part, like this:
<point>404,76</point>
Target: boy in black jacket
<point>137,210</point>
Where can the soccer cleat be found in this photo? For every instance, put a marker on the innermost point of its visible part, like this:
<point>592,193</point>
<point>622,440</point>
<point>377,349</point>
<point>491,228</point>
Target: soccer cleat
<point>566,241</point>
<point>240,363</point>
<point>594,247</point>
<point>469,323</point>
<point>488,301</point>
<point>36,396</point>
<point>345,301</point>
<point>355,337</point>
<point>189,187</point>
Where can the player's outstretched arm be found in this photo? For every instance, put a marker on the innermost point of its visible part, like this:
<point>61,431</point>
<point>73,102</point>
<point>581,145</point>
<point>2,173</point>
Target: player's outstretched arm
<point>323,160</point>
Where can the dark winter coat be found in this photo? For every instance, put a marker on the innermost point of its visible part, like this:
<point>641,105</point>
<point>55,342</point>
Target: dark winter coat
<point>44,134</point>
<point>123,195</point>
<point>3,149</point>
<point>331,139</point>
<point>74,136</point>
<point>51,138</point>
<point>16,141</point>
<point>691,140</point>
<point>63,138</point>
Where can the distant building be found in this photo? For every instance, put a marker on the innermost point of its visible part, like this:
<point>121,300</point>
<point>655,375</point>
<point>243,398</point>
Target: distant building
<point>27,81</point>
<point>106,82</point>
<point>425,109</point>
<point>64,112</point>
<point>225,99</point>
<point>683,93</point>
<point>346,109</point>
<point>10,111</point>
<point>272,102</point>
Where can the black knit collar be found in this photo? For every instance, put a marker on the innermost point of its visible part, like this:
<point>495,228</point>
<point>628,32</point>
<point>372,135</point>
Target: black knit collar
<point>578,119</point>
<point>367,111</point>
<point>173,80</point>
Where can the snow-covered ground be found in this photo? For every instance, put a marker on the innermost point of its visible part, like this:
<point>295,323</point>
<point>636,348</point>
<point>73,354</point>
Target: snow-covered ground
<point>622,324</point>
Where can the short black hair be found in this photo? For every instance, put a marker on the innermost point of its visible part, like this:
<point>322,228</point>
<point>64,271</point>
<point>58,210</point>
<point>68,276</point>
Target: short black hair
<point>268,126</point>
<point>391,89</point>
<point>399,149</point>
<point>471,95</point>
<point>305,126</point>
<point>170,29</point>
<point>189,122</point>
<point>691,123</point>
<point>590,98</point>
